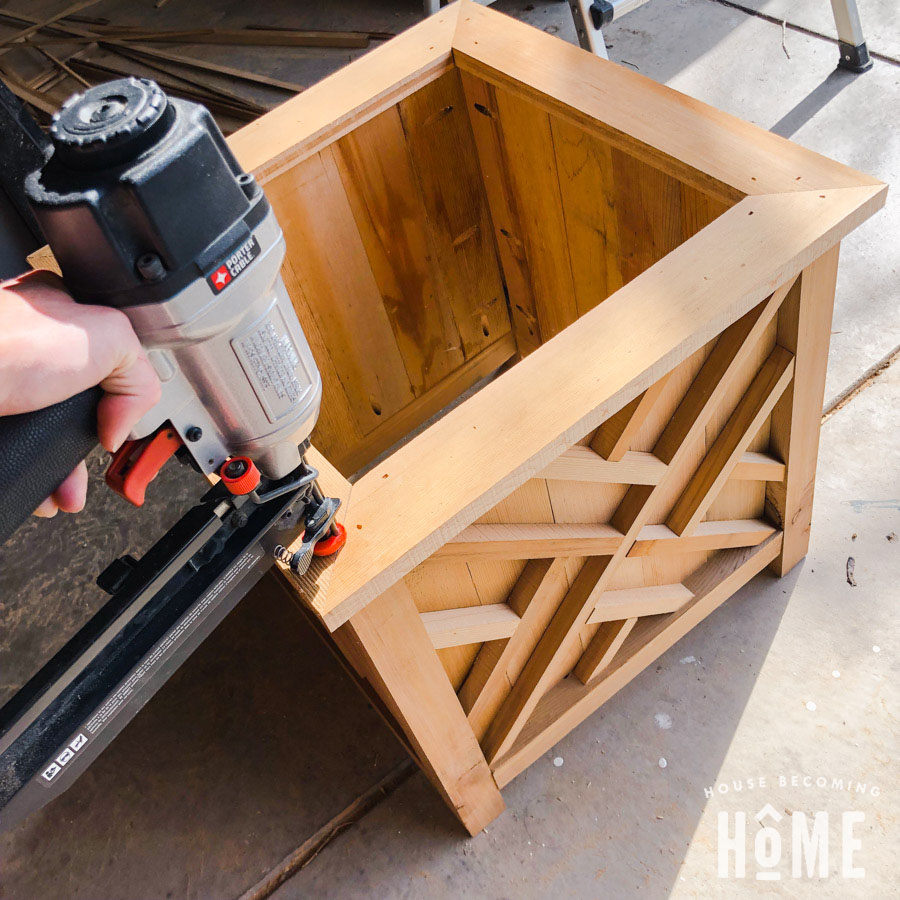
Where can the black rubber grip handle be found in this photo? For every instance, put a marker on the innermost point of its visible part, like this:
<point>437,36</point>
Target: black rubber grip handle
<point>38,450</point>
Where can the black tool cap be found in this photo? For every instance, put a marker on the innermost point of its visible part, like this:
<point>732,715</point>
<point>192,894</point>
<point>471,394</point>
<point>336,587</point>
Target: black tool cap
<point>110,123</point>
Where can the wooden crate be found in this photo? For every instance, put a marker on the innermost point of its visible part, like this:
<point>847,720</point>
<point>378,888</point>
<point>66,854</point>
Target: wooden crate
<point>652,279</point>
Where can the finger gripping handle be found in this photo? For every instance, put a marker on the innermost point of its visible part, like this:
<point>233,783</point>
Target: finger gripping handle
<point>38,450</point>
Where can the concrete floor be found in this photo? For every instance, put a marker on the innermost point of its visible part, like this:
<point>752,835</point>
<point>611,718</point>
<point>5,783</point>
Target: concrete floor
<point>260,739</point>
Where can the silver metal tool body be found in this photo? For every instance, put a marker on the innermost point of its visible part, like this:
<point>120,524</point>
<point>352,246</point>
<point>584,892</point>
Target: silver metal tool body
<point>234,365</point>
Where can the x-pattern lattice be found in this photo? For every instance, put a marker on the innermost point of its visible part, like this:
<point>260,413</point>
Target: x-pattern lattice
<point>535,638</point>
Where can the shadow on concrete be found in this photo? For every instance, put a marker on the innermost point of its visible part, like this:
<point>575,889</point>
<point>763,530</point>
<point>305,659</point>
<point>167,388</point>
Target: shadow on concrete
<point>793,120</point>
<point>608,821</point>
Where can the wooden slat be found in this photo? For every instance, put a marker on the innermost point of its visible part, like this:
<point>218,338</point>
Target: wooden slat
<point>531,163</point>
<point>755,466</point>
<point>742,426</point>
<point>590,196</point>
<point>484,117</point>
<point>534,598</point>
<point>469,624</point>
<point>570,702</point>
<point>655,540</point>
<point>329,258</point>
<point>615,435</point>
<point>531,541</point>
<point>804,328</point>
<point>643,601</point>
<point>443,152</point>
<point>544,541</point>
<point>581,463</point>
<point>648,212</point>
<point>584,464</point>
<point>379,179</point>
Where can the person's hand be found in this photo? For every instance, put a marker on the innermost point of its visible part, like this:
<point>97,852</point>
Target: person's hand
<point>52,348</point>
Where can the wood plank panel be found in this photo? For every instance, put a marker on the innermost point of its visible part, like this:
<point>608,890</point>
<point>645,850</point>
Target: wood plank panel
<point>648,210</point>
<point>530,160</point>
<point>589,198</point>
<point>484,117</point>
<point>388,206</point>
<point>445,159</point>
<point>327,255</point>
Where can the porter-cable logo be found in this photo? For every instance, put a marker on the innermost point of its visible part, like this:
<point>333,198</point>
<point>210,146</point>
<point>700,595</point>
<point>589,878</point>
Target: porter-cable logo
<point>230,268</point>
<point>815,844</point>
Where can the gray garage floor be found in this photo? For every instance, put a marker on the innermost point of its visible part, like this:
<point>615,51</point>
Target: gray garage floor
<point>260,740</point>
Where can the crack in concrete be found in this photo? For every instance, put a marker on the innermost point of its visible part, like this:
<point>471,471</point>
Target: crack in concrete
<point>775,20</point>
<point>860,384</point>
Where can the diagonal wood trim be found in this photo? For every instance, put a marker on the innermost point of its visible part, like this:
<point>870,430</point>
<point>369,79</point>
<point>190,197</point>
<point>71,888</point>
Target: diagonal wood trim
<point>570,702</point>
<point>550,658</point>
<point>643,601</point>
<point>614,436</point>
<point>610,636</point>
<point>742,426</point>
<point>583,464</point>
<point>535,597</point>
<point>710,386</point>
<point>469,624</point>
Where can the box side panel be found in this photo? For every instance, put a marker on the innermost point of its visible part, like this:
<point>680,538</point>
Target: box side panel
<point>599,535</point>
<point>575,217</point>
<point>392,268</point>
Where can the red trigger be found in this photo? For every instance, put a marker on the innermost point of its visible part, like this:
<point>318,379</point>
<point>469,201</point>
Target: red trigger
<point>136,463</point>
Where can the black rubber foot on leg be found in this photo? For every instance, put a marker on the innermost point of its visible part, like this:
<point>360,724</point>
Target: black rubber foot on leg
<point>854,59</point>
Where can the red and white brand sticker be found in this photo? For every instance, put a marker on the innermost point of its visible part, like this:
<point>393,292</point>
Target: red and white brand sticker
<point>233,265</point>
<point>220,278</point>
